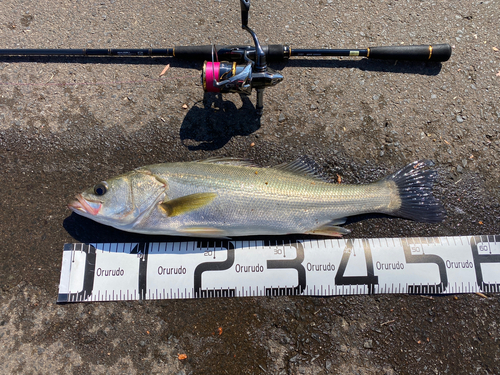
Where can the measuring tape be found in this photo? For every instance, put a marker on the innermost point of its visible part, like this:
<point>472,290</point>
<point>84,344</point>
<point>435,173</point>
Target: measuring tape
<point>311,267</point>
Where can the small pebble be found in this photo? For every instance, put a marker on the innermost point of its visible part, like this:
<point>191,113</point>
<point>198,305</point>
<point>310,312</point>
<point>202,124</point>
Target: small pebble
<point>460,119</point>
<point>328,364</point>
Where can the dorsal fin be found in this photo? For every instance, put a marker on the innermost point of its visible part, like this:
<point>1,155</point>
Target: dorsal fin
<point>305,167</point>
<point>229,161</point>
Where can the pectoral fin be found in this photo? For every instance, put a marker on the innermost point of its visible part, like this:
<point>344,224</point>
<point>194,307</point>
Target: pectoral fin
<point>182,205</point>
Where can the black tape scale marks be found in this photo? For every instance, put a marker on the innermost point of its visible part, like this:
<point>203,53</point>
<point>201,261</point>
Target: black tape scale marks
<point>223,256</point>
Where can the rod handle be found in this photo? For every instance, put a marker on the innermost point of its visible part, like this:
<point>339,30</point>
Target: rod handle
<point>437,52</point>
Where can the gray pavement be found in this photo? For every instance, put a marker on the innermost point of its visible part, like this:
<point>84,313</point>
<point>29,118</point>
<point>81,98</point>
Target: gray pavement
<point>65,124</point>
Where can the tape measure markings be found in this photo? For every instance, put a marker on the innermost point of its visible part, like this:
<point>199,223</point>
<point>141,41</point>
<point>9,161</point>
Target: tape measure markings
<point>324,267</point>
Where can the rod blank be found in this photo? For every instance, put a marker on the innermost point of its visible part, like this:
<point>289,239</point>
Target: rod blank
<point>89,52</point>
<point>276,52</point>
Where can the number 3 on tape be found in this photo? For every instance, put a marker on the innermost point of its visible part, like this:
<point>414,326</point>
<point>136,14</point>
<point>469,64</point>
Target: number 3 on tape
<point>486,252</point>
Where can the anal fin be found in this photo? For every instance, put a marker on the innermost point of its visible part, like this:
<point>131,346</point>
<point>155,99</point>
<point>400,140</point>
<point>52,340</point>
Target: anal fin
<point>331,229</point>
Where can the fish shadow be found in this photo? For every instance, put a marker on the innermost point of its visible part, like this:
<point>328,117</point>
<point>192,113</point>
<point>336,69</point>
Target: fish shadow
<point>211,123</point>
<point>85,230</point>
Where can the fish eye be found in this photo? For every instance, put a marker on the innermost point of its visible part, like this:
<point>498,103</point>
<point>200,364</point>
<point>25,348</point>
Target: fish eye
<point>101,188</point>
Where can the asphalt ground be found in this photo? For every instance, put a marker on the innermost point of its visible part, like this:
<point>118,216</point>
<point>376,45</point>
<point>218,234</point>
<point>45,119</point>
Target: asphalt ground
<point>66,123</point>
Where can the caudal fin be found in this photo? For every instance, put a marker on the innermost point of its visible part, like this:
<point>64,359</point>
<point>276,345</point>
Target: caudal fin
<point>414,183</point>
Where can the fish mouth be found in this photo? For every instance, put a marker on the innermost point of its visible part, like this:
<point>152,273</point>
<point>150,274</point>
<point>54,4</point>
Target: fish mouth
<point>81,205</point>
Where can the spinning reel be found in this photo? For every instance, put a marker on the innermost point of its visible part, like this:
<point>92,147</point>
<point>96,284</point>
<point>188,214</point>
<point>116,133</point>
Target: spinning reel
<point>226,76</point>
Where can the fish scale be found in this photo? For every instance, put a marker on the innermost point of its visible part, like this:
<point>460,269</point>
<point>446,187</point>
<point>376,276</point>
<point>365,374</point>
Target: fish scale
<point>268,196</point>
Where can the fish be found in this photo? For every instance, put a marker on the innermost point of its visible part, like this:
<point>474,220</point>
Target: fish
<point>229,197</point>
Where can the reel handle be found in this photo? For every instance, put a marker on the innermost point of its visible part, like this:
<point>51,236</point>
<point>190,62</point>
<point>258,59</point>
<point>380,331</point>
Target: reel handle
<point>245,8</point>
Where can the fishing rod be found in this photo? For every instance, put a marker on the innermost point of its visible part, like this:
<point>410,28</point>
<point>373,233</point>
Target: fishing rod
<point>242,68</point>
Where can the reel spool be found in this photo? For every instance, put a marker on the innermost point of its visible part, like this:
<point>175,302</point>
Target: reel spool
<point>226,77</point>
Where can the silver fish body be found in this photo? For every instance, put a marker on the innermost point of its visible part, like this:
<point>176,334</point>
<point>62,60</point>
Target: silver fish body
<point>229,197</point>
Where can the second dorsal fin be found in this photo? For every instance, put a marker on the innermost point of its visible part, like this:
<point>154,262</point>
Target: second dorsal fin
<point>305,167</point>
